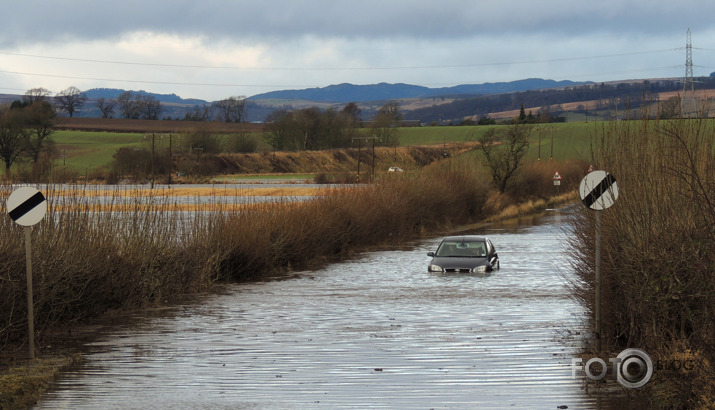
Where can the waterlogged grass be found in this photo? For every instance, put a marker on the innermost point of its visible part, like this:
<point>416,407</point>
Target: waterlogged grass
<point>172,199</point>
<point>21,385</point>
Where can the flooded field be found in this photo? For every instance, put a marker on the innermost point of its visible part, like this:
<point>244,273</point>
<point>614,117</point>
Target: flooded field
<point>378,332</point>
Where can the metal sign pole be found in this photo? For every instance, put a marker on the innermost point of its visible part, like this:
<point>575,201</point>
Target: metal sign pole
<point>598,191</point>
<point>30,304</point>
<point>598,281</point>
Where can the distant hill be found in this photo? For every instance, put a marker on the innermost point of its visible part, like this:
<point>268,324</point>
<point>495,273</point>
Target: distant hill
<point>344,93</point>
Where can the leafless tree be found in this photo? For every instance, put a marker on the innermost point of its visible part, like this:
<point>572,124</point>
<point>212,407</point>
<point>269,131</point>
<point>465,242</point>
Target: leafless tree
<point>106,107</point>
<point>11,137</point>
<point>504,151</point>
<point>38,119</point>
<point>670,108</point>
<point>353,112</point>
<point>36,94</point>
<point>140,106</point>
<point>232,109</point>
<point>70,100</point>
<point>149,107</point>
<point>385,127</point>
<point>198,113</point>
<point>128,106</point>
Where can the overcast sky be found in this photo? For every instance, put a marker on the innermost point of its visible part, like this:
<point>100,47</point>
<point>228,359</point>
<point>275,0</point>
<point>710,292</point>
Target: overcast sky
<point>213,49</point>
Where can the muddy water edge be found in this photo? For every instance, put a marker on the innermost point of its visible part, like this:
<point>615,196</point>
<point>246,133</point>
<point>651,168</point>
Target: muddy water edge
<point>378,331</point>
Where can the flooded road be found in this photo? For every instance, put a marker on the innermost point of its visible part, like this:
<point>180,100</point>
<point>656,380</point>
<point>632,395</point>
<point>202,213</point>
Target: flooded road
<point>378,331</point>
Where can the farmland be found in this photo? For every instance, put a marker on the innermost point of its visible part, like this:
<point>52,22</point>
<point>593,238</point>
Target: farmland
<point>87,148</point>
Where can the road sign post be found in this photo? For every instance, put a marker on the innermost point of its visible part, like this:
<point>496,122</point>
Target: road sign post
<point>557,181</point>
<point>30,301</point>
<point>27,206</point>
<point>598,191</point>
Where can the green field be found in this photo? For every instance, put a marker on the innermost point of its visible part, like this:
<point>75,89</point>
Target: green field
<point>570,140</point>
<point>88,150</point>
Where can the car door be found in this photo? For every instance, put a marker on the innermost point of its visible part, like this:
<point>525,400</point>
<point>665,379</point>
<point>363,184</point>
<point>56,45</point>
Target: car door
<point>492,255</point>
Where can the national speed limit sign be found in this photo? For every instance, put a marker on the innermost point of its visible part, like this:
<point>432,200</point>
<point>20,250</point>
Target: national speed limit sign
<point>26,206</point>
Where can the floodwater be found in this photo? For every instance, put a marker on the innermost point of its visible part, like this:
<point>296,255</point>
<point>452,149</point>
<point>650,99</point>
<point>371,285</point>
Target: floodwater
<point>375,332</point>
<point>225,193</point>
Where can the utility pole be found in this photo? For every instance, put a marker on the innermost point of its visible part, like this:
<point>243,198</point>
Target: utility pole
<point>358,172</point>
<point>171,160</point>
<point>373,154</point>
<point>372,176</point>
<point>64,164</point>
<point>152,161</point>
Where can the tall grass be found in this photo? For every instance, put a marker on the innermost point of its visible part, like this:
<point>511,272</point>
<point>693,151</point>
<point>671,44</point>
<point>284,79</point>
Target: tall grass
<point>87,262</point>
<point>658,264</point>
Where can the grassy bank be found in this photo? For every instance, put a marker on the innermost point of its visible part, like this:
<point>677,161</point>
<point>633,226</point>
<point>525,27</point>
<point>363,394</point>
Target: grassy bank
<point>658,264</point>
<point>21,386</point>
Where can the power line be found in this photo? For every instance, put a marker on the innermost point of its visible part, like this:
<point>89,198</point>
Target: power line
<point>180,83</point>
<point>143,81</point>
<point>553,60</point>
<point>118,80</point>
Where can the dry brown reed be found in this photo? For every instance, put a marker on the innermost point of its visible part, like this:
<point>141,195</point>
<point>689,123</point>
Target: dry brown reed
<point>129,255</point>
<point>658,261</point>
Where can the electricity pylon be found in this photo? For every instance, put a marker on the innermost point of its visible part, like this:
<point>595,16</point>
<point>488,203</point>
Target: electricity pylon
<point>688,102</point>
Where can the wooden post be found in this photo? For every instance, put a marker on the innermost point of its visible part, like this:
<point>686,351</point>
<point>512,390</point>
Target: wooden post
<point>171,160</point>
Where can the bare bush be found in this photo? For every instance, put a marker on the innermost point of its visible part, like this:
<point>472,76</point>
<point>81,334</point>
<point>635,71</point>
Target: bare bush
<point>133,255</point>
<point>658,243</point>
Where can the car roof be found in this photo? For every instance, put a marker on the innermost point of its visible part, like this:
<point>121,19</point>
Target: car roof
<point>465,238</point>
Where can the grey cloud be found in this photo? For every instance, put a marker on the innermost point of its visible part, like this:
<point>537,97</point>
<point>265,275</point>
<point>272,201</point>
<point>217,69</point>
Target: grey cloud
<point>42,21</point>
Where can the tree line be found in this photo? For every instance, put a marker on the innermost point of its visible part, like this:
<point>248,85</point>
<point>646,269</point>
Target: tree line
<point>608,96</point>
<point>135,105</point>
<point>314,129</point>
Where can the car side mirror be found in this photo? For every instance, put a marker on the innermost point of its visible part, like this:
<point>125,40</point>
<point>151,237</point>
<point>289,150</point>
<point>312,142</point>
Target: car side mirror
<point>430,254</point>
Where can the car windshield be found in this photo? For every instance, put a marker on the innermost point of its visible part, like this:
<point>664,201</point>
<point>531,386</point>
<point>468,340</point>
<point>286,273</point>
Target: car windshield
<point>462,249</point>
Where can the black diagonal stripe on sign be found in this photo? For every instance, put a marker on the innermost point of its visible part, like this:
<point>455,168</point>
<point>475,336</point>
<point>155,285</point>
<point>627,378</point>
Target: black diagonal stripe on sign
<point>26,206</point>
<point>599,190</point>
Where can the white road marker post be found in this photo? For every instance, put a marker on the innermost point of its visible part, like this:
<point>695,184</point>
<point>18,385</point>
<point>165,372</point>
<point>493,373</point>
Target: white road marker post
<point>598,191</point>
<point>27,206</point>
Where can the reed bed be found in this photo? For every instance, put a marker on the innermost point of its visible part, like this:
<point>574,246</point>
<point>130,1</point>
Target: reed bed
<point>658,247</point>
<point>130,255</point>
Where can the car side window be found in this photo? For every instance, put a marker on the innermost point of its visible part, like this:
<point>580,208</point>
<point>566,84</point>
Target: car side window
<point>490,247</point>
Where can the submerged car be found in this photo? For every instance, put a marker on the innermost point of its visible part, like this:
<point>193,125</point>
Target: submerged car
<point>465,254</point>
